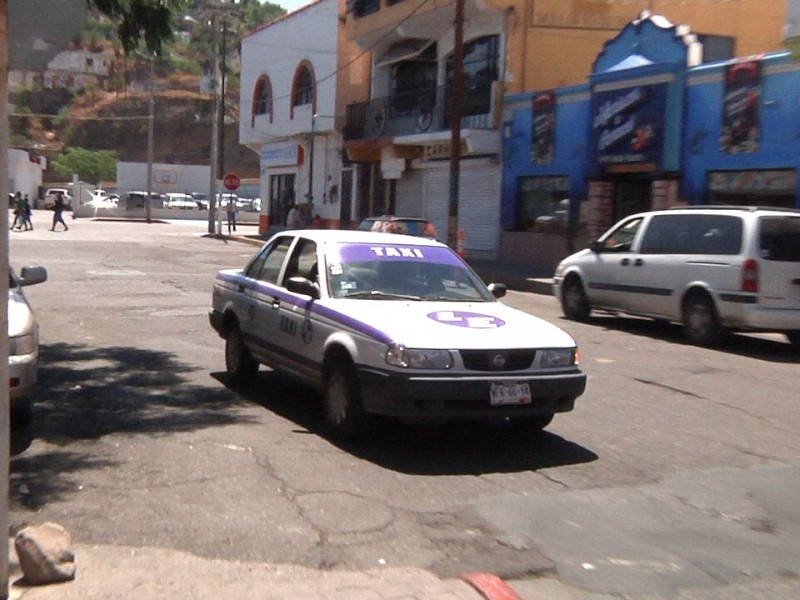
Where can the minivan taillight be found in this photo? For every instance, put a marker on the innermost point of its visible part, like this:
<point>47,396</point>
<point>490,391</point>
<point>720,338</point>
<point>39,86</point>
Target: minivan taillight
<point>750,276</point>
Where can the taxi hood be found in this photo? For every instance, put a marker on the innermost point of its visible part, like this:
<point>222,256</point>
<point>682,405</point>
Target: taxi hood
<point>453,325</point>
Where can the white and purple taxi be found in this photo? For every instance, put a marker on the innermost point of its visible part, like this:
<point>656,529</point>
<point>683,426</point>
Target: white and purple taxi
<point>391,325</point>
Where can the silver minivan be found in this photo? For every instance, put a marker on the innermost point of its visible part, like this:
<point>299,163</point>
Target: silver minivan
<point>713,269</point>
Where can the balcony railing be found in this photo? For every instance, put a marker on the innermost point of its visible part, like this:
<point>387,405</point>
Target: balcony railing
<point>410,114</point>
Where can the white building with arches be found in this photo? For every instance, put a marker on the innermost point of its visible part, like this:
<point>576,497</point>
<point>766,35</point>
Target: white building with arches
<point>298,74</point>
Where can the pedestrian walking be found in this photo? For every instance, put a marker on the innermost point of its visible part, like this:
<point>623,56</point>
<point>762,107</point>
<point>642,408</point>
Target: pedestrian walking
<point>231,210</point>
<point>27,213</point>
<point>58,209</point>
<point>293,218</point>
<point>19,211</point>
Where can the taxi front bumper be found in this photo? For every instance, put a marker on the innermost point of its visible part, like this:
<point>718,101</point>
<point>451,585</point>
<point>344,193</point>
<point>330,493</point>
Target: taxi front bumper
<point>465,397</point>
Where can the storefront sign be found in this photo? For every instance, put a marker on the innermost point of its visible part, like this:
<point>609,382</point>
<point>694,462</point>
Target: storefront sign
<point>628,125</point>
<point>280,155</point>
<point>740,118</point>
<point>441,150</point>
<point>753,181</point>
<point>544,128</point>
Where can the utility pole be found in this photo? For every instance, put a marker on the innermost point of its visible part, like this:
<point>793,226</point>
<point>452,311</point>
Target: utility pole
<point>148,201</point>
<point>456,89</point>
<point>212,163</point>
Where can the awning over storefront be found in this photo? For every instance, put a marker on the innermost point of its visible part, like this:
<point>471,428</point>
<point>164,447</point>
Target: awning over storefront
<point>403,50</point>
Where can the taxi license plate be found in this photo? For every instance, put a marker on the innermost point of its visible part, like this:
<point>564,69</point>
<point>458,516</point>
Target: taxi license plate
<point>509,393</point>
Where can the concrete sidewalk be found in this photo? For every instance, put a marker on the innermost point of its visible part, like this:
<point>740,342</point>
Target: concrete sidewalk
<point>121,572</point>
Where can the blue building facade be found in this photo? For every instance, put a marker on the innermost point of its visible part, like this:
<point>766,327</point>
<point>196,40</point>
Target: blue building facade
<point>652,127</point>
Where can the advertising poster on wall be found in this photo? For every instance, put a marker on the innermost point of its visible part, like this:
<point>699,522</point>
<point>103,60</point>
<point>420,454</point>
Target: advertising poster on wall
<point>740,119</point>
<point>628,125</point>
<point>544,128</point>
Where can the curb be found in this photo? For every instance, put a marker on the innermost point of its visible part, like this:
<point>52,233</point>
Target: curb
<point>490,586</point>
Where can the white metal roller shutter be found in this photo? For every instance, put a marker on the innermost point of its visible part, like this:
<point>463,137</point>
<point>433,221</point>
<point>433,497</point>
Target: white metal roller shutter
<point>437,196</point>
<point>479,206</point>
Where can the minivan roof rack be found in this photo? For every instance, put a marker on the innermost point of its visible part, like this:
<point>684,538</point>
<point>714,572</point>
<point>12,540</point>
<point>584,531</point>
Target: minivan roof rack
<point>747,208</point>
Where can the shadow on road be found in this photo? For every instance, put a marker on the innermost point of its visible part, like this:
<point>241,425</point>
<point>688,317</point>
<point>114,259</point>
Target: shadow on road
<point>85,393</point>
<point>469,448</point>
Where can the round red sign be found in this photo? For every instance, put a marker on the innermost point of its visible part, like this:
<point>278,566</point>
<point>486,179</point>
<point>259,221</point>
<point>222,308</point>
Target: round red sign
<point>231,181</point>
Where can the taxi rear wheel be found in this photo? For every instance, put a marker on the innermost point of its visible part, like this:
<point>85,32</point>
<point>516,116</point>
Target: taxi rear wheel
<point>345,417</point>
<point>239,363</point>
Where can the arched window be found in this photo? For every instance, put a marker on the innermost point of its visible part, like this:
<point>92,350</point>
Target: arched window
<point>262,99</point>
<point>303,87</point>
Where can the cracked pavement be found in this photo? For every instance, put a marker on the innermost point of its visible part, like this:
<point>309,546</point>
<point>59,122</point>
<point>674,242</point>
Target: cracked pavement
<point>676,475</point>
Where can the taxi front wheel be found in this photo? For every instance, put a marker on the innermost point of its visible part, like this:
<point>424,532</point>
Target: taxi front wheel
<point>239,363</point>
<point>345,417</point>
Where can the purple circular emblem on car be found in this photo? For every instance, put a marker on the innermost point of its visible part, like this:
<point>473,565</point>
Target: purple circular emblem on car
<point>466,319</point>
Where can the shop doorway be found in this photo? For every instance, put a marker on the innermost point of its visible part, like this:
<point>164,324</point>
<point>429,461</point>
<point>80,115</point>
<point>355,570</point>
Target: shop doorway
<point>281,197</point>
<point>631,196</point>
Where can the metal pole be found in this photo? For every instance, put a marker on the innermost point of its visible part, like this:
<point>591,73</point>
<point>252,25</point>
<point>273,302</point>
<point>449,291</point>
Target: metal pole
<point>5,420</point>
<point>212,163</point>
<point>151,103</point>
<point>456,88</point>
<point>311,166</point>
<point>221,168</point>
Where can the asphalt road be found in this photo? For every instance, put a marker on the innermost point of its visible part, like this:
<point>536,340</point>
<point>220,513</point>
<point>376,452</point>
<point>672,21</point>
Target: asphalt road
<point>676,475</point>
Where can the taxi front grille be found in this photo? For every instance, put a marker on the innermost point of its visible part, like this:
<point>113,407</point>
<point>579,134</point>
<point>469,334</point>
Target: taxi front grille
<point>497,360</point>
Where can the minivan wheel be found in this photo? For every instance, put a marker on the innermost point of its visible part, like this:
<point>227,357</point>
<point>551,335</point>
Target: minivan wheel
<point>700,321</point>
<point>239,363</point>
<point>574,302</point>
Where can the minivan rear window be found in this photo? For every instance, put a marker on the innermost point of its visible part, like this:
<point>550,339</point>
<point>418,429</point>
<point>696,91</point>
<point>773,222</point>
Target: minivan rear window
<point>693,234</point>
<point>780,238</point>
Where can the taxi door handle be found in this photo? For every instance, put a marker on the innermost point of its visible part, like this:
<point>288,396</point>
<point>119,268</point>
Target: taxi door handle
<point>638,262</point>
<point>241,288</point>
<point>276,303</point>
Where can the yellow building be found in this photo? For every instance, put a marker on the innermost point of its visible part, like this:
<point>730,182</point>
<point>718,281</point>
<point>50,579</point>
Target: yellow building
<point>401,137</point>
<point>552,43</point>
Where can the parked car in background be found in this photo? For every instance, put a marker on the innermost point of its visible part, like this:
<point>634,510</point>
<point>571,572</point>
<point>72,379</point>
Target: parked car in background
<point>394,224</point>
<point>23,337</point>
<point>178,200</point>
<point>201,198</point>
<point>713,269</point>
<point>391,325</point>
<point>49,199</point>
<point>136,199</point>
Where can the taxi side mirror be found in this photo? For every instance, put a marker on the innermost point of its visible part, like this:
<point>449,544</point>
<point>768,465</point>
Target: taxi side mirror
<point>498,289</point>
<point>301,285</point>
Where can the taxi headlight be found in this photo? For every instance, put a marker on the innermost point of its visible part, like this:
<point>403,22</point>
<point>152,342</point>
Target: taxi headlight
<point>414,358</point>
<point>558,357</point>
<point>21,344</point>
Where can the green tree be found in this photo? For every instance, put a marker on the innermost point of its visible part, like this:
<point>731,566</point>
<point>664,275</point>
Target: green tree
<point>142,21</point>
<point>89,165</point>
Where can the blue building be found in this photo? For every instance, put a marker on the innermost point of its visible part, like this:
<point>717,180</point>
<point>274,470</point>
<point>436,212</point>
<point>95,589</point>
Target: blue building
<point>652,127</point>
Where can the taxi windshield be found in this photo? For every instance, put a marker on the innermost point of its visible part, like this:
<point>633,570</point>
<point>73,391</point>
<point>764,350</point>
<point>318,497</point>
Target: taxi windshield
<point>402,272</point>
